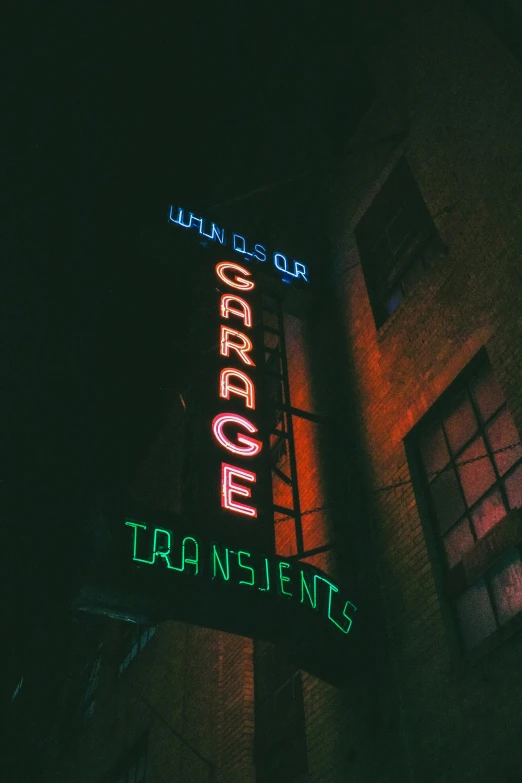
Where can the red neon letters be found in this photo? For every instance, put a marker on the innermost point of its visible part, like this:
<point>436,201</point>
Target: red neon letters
<point>233,381</point>
<point>242,347</point>
<point>246,390</point>
<point>249,446</point>
<point>244,311</point>
<point>229,488</point>
<point>237,282</point>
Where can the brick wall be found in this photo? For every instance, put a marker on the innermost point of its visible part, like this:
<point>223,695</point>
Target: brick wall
<point>449,84</point>
<point>191,689</point>
<point>330,713</point>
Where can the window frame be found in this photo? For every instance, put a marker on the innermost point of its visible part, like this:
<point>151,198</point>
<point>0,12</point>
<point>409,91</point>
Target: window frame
<point>413,255</point>
<point>453,582</point>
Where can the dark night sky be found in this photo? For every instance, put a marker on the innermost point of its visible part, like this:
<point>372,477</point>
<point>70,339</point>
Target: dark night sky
<point>113,113</point>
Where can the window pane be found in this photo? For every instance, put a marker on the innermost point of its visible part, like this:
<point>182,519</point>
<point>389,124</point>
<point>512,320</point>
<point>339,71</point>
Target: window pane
<point>398,230</point>
<point>476,477</point>
<point>434,451</point>
<point>447,499</point>
<point>413,275</point>
<point>382,255</point>
<point>458,541</point>
<point>489,511</point>
<point>461,424</point>
<point>506,581</point>
<point>476,619</point>
<point>393,300</point>
<point>487,393</point>
<point>502,432</point>
<point>513,485</point>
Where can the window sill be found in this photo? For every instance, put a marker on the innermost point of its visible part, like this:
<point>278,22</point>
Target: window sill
<point>383,329</point>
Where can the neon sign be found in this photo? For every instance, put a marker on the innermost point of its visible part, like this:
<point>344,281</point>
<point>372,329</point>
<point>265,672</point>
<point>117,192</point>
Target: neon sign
<point>245,446</point>
<point>237,345</point>
<point>289,270</point>
<point>229,488</point>
<point>246,390</point>
<point>297,581</point>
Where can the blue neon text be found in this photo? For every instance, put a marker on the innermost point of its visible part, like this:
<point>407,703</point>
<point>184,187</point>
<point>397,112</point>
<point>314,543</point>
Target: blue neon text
<point>288,269</point>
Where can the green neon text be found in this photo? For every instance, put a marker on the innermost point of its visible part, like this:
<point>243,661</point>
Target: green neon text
<point>194,560</point>
<point>334,589</point>
<point>267,574</point>
<point>136,526</point>
<point>164,551</point>
<point>305,588</point>
<point>159,548</point>
<point>217,562</point>
<point>248,568</point>
<point>283,579</point>
<point>162,548</point>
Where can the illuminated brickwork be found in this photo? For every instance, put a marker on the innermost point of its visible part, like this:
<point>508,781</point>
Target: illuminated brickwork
<point>306,434</point>
<point>456,713</point>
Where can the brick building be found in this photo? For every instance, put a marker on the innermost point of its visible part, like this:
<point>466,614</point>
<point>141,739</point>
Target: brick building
<point>409,467</point>
<point>427,277</point>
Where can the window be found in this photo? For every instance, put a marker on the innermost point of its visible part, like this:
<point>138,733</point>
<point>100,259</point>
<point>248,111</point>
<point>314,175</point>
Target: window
<point>471,460</point>
<point>280,737</point>
<point>397,240</point>
<point>132,767</point>
<point>89,678</point>
<point>135,638</point>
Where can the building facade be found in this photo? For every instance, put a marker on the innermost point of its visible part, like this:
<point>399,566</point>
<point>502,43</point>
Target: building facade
<point>428,281</point>
<point>404,378</point>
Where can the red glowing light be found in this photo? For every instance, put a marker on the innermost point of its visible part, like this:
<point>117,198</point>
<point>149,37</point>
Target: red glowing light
<point>249,446</point>
<point>244,312</point>
<point>226,388</point>
<point>242,347</point>
<point>237,282</point>
<point>230,488</point>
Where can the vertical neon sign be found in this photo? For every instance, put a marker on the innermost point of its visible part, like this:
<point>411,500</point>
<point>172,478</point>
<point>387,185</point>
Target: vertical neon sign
<point>229,428</point>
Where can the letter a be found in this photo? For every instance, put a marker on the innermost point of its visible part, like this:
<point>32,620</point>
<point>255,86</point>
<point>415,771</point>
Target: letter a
<point>246,389</point>
<point>242,347</point>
